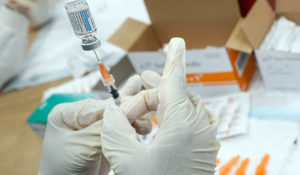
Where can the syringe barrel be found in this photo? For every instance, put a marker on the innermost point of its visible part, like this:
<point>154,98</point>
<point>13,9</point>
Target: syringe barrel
<point>83,23</point>
<point>114,93</point>
<point>107,78</point>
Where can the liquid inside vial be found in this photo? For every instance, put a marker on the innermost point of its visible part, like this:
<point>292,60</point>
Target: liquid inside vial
<point>81,19</point>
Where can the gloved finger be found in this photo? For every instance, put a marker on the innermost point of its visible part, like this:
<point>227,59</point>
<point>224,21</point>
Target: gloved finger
<point>77,115</point>
<point>142,126</point>
<point>132,86</point>
<point>86,143</point>
<point>104,166</point>
<point>194,97</point>
<point>90,137</point>
<point>150,79</point>
<point>212,118</point>
<point>197,102</point>
<point>173,82</point>
<point>137,106</point>
<point>117,133</point>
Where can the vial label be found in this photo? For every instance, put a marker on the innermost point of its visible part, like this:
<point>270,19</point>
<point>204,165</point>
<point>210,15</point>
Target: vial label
<point>82,22</point>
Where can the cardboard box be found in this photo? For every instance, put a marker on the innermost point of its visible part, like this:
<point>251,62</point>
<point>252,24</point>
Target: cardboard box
<point>225,67</point>
<point>246,5</point>
<point>280,70</point>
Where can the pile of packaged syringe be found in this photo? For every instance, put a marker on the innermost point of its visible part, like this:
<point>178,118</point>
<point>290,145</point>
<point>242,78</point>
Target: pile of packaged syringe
<point>284,35</point>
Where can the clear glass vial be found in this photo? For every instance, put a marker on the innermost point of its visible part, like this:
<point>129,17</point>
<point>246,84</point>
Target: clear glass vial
<point>83,23</point>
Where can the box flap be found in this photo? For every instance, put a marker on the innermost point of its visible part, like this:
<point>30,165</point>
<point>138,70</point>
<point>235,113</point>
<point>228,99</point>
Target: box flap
<point>238,40</point>
<point>199,22</point>
<point>130,32</point>
<point>258,22</point>
<point>287,6</point>
<point>289,9</point>
<point>293,16</point>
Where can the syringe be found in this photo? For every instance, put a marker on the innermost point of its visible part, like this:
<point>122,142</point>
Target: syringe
<point>108,80</point>
<point>85,28</point>
<point>290,153</point>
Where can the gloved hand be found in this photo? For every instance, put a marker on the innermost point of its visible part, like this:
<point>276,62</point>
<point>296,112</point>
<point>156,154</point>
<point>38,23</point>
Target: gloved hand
<point>41,12</point>
<point>186,140</point>
<point>14,38</point>
<point>38,12</point>
<point>72,143</point>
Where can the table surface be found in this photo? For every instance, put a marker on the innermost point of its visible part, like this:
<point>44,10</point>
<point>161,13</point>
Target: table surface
<point>20,147</point>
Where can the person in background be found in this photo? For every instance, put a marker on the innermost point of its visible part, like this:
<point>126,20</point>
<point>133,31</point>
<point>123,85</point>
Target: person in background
<point>16,17</point>
<point>79,136</point>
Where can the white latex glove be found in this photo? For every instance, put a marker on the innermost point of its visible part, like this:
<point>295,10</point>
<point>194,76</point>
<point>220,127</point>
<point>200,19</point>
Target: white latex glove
<point>38,12</point>
<point>2,2</point>
<point>72,143</point>
<point>186,141</point>
<point>41,12</point>
<point>14,39</point>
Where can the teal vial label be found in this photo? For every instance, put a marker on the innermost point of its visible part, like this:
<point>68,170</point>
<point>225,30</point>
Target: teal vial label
<point>86,21</point>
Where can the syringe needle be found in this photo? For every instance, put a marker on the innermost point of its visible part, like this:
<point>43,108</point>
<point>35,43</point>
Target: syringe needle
<point>96,55</point>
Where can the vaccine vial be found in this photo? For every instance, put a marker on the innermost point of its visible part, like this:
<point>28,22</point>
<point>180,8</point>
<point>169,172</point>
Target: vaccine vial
<point>83,23</point>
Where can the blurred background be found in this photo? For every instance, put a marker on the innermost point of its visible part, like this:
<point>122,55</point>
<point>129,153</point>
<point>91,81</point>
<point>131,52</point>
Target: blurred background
<point>243,58</point>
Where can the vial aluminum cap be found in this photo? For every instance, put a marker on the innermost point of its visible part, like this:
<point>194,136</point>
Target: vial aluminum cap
<point>90,44</point>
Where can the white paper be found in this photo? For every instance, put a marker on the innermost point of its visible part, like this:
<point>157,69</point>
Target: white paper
<point>81,85</point>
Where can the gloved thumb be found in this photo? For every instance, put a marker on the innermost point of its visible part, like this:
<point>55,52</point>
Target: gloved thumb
<point>173,82</point>
<point>132,86</point>
<point>117,133</point>
<point>150,79</point>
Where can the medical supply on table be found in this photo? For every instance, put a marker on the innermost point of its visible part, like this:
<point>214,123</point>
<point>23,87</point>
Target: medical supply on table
<point>232,111</point>
<point>261,168</point>
<point>291,153</point>
<point>80,85</point>
<point>225,169</point>
<point>242,169</point>
<point>284,35</point>
<point>234,166</point>
<point>254,145</point>
<point>85,28</point>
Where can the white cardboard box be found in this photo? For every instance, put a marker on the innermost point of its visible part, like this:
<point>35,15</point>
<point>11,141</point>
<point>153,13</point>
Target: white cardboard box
<point>280,70</point>
<point>210,71</point>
